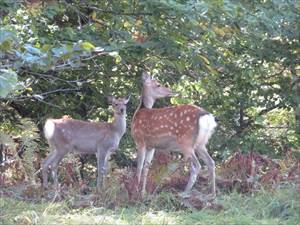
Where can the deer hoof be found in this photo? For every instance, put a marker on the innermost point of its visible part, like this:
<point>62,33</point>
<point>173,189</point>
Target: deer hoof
<point>143,194</point>
<point>184,194</point>
<point>212,196</point>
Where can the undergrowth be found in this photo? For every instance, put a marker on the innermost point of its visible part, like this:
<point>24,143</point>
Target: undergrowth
<point>281,206</point>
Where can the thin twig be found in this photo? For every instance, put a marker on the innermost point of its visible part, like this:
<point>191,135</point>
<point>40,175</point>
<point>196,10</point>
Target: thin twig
<point>94,56</point>
<point>120,12</point>
<point>51,76</point>
<point>59,90</point>
<point>48,103</point>
<point>6,66</point>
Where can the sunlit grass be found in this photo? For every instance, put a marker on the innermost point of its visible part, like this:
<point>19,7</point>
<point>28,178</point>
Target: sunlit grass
<point>278,207</point>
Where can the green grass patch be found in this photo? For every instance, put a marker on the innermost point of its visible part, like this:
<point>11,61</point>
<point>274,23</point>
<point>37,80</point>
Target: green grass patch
<point>281,206</point>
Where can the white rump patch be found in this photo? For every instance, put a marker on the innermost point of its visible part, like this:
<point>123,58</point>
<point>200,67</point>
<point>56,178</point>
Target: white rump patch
<point>207,124</point>
<point>49,129</point>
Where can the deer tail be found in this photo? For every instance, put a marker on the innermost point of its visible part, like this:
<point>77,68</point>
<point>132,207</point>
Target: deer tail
<point>206,125</point>
<point>49,129</point>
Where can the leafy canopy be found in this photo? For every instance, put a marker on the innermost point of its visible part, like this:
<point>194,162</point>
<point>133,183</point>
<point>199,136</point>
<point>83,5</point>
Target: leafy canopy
<point>237,59</point>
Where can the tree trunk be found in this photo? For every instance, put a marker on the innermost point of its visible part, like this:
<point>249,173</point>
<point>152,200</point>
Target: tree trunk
<point>296,88</point>
<point>1,153</point>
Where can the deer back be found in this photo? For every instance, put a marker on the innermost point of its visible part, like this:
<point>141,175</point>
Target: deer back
<point>168,127</point>
<point>77,135</point>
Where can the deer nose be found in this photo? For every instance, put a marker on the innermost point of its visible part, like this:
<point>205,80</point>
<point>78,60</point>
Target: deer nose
<point>171,93</point>
<point>122,111</point>
<point>174,94</point>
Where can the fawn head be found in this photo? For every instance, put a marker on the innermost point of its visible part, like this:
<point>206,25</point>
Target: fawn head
<point>118,104</point>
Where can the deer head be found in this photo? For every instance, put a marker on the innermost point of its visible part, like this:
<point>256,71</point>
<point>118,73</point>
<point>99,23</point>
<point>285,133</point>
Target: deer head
<point>118,104</point>
<point>153,90</point>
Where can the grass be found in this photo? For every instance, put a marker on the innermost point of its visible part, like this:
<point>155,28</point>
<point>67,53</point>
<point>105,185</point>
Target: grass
<point>281,206</point>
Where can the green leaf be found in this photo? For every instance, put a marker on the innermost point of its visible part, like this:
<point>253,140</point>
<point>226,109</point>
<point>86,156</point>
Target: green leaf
<point>46,47</point>
<point>87,46</point>
<point>259,120</point>
<point>29,58</point>
<point>52,11</point>
<point>64,52</point>
<point>6,40</point>
<point>116,55</point>
<point>8,81</point>
<point>204,59</point>
<point>33,50</point>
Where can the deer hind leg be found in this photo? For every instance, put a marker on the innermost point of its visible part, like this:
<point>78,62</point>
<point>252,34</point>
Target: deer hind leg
<point>54,167</point>
<point>47,162</point>
<point>195,168</point>
<point>203,154</point>
<point>147,164</point>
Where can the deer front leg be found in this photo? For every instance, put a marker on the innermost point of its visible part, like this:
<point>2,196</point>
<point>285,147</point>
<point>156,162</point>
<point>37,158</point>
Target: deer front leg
<point>99,156</point>
<point>102,166</point>
<point>147,164</point>
<point>141,153</point>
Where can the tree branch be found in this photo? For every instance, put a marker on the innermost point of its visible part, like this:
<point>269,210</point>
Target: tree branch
<point>49,103</point>
<point>120,12</point>
<point>60,90</point>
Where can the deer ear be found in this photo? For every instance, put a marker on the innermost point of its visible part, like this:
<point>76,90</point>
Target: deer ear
<point>127,99</point>
<point>110,99</point>
<point>146,77</point>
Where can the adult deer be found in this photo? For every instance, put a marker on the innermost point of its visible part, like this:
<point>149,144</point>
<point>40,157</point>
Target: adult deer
<point>185,128</point>
<point>69,135</point>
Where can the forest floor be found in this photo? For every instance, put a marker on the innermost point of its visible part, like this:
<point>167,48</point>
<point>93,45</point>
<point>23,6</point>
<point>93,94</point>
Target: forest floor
<point>281,206</point>
<point>251,190</point>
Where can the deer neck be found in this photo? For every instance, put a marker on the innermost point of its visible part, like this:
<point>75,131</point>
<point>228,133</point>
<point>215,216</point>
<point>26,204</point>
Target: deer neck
<point>119,123</point>
<point>146,100</point>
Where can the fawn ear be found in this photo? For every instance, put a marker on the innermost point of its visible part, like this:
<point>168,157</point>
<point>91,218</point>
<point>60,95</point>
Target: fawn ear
<point>146,77</point>
<point>127,99</point>
<point>110,99</point>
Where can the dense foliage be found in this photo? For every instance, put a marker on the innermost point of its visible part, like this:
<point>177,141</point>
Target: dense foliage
<point>237,59</point>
